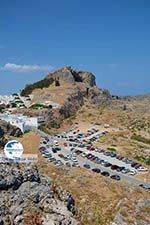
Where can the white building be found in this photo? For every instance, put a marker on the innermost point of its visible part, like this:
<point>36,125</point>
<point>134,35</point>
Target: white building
<point>23,122</point>
<point>19,100</point>
<point>5,99</point>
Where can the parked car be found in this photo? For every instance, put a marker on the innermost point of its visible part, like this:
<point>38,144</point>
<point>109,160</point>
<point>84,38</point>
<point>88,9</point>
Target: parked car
<point>120,168</point>
<point>61,155</point>
<point>113,154</point>
<point>132,172</point>
<point>86,165</point>
<point>142,169</point>
<point>114,167</point>
<point>54,150</point>
<point>107,164</point>
<point>124,171</point>
<point>115,177</point>
<point>96,170</point>
<point>145,186</point>
<point>105,173</point>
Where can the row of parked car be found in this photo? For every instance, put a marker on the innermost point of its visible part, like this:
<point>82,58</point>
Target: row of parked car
<point>75,142</point>
<point>77,135</point>
<point>71,160</point>
<point>104,173</point>
<point>133,163</point>
<point>105,163</point>
<point>137,167</point>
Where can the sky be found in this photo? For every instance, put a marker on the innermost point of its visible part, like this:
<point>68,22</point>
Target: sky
<point>110,38</point>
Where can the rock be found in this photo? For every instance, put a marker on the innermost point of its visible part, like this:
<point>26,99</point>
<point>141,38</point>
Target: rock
<point>88,78</point>
<point>18,220</point>
<point>63,74</point>
<point>24,190</point>
<point>67,74</point>
<point>7,129</point>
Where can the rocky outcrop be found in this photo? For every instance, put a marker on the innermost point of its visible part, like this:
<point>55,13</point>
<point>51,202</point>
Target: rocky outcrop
<point>26,197</point>
<point>72,104</point>
<point>67,74</point>
<point>9,129</point>
<point>6,129</point>
<point>99,97</point>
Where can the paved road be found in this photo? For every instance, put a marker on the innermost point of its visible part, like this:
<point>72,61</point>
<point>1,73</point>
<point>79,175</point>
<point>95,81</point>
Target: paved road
<point>66,151</point>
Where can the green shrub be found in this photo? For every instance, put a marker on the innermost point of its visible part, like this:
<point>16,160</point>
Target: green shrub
<point>40,84</point>
<point>145,159</point>
<point>111,149</point>
<point>140,139</point>
<point>38,105</point>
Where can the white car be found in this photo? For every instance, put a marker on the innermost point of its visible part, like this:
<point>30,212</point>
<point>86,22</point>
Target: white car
<point>74,160</point>
<point>142,169</point>
<point>132,172</point>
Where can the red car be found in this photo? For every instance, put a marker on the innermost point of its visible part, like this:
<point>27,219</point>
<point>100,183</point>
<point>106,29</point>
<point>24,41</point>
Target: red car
<point>119,157</point>
<point>114,167</point>
<point>61,155</point>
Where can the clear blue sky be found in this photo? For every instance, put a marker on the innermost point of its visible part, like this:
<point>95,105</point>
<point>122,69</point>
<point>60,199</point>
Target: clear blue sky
<point>110,38</point>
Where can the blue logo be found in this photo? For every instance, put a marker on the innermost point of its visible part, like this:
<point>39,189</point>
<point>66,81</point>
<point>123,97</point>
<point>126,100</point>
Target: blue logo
<point>13,149</point>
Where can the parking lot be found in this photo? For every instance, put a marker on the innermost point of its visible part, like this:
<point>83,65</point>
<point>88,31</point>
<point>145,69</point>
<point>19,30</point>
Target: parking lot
<point>74,148</point>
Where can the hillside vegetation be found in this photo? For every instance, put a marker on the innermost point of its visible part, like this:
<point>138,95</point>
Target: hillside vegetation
<point>40,84</point>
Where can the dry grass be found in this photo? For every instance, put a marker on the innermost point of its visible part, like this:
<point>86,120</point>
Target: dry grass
<point>30,142</point>
<point>98,199</point>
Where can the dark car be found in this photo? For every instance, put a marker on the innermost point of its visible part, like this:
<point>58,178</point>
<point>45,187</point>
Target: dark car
<point>115,177</point>
<point>93,158</point>
<point>133,164</point>
<point>107,164</point>
<point>96,170</point>
<point>119,157</point>
<point>52,160</point>
<point>114,167</point>
<point>61,155</point>
<point>58,149</point>
<point>90,156</point>
<point>54,150</point>
<point>137,166</point>
<point>145,186</point>
<point>46,139</point>
<point>96,159</point>
<point>105,173</point>
<point>120,168</point>
<point>86,165</point>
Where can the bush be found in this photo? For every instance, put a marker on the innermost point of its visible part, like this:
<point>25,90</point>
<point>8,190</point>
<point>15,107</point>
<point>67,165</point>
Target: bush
<point>140,139</point>
<point>40,84</point>
<point>37,106</point>
<point>145,159</point>
<point>111,149</point>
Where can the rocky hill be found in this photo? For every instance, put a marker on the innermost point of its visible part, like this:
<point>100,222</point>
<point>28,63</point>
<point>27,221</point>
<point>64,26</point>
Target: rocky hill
<point>68,88</point>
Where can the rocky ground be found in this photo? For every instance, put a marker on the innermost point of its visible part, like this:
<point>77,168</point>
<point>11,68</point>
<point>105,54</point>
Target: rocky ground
<point>26,197</point>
